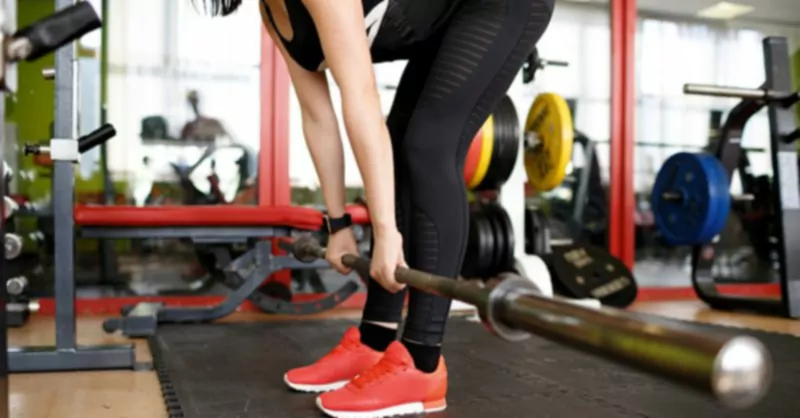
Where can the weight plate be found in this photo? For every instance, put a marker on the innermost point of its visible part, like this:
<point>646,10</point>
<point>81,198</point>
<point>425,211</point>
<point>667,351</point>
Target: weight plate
<point>486,245</point>
<point>588,272</point>
<point>723,189</point>
<point>480,245</point>
<point>506,146</point>
<point>473,158</point>
<point>499,248</point>
<point>691,198</point>
<point>487,146</point>
<point>548,141</point>
<point>506,260</point>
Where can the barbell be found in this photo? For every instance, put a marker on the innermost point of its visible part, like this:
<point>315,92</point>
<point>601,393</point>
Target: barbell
<point>735,370</point>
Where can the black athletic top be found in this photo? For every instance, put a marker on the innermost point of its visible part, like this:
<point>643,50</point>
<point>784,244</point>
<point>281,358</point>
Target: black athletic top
<point>393,28</point>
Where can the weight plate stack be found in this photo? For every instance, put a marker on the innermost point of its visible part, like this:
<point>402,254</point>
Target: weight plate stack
<point>480,245</point>
<point>490,249</point>
<point>504,234</point>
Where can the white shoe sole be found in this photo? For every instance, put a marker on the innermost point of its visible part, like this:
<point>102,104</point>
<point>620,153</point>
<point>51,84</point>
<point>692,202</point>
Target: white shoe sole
<point>405,409</point>
<point>314,388</point>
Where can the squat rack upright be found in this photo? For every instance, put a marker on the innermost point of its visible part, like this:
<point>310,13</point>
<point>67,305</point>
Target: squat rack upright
<point>70,22</point>
<point>777,97</point>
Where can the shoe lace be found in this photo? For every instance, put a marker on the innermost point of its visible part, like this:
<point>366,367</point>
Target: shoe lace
<point>375,373</point>
<point>339,349</point>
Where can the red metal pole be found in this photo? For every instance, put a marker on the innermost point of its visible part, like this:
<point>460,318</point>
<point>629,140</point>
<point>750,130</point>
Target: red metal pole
<point>273,157</point>
<point>623,107</point>
<point>273,161</point>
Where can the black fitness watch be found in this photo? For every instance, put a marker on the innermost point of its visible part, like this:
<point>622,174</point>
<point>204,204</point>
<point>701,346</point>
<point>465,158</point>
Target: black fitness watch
<point>335,225</point>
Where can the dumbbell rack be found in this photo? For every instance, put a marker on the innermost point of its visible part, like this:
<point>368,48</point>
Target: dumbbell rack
<point>786,190</point>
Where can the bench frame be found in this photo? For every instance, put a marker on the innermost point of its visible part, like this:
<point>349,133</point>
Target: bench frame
<point>243,275</point>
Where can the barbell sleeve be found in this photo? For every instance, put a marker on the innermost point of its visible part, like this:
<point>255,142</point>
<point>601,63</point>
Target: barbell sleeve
<point>737,371</point>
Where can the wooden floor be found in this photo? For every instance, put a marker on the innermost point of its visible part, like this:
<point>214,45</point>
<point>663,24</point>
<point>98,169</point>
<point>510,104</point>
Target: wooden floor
<point>125,394</point>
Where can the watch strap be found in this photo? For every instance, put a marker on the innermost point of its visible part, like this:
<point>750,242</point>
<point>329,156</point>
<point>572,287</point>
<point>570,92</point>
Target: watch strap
<point>334,225</point>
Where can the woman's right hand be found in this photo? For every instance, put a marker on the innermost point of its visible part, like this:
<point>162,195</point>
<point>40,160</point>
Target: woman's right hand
<point>341,243</point>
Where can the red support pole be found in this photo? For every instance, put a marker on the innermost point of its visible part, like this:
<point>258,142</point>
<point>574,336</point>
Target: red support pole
<point>273,157</point>
<point>623,109</point>
<point>273,161</point>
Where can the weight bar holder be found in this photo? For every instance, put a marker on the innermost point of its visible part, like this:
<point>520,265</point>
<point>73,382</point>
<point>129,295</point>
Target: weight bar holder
<point>70,22</point>
<point>775,95</point>
<point>737,371</point>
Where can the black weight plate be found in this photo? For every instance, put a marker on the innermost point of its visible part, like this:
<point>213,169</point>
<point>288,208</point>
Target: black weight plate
<point>506,146</point>
<point>485,243</point>
<point>475,258</point>
<point>498,249</point>
<point>506,260</point>
<point>588,272</point>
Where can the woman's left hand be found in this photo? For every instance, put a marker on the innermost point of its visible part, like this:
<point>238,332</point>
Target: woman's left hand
<point>386,257</point>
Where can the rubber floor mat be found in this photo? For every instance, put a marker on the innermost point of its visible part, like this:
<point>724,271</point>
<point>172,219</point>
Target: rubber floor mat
<point>236,371</point>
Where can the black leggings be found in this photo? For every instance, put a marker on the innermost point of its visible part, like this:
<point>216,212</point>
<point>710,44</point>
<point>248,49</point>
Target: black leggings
<point>446,93</point>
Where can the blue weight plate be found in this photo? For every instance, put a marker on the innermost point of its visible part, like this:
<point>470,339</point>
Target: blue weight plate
<point>702,205</point>
<point>724,193</point>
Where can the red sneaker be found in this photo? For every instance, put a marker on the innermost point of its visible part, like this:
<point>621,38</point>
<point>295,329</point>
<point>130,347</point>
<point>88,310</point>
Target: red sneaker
<point>392,387</point>
<point>336,368</point>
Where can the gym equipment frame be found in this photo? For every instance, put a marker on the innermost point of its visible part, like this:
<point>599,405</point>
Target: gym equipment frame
<point>776,96</point>
<point>69,23</point>
<point>217,227</point>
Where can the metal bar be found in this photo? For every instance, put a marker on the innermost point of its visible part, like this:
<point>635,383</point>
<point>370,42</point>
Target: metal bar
<point>735,370</point>
<point>737,92</point>
<point>198,233</point>
<point>785,195</point>
<point>62,193</point>
<point>8,19</point>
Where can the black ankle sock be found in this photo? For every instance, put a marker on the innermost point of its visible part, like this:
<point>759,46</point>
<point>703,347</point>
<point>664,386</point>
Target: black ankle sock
<point>426,357</point>
<point>376,337</point>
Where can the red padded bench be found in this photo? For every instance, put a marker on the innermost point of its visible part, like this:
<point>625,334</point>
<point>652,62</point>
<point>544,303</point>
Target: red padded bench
<point>296,217</point>
<point>224,224</point>
<point>203,221</point>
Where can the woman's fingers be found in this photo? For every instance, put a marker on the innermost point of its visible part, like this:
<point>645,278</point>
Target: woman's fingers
<point>336,262</point>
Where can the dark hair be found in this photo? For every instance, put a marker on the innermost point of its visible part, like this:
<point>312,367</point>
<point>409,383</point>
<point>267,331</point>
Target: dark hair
<point>219,7</point>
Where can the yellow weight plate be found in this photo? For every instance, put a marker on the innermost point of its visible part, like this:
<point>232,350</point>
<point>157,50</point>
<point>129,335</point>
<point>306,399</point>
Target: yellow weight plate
<point>548,141</point>
<point>487,145</point>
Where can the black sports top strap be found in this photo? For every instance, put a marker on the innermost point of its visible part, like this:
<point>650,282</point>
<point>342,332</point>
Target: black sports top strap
<point>305,47</point>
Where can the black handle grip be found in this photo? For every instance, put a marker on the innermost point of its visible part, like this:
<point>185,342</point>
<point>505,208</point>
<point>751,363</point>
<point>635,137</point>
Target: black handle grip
<point>96,137</point>
<point>58,29</point>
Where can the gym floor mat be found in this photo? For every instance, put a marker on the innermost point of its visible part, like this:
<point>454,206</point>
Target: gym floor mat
<point>236,371</point>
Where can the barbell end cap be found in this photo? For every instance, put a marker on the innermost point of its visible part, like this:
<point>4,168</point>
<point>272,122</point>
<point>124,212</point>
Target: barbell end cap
<point>742,373</point>
<point>306,249</point>
<point>511,286</point>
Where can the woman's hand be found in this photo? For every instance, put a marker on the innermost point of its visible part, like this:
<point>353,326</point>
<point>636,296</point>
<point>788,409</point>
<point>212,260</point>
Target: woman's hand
<point>386,257</point>
<point>341,243</point>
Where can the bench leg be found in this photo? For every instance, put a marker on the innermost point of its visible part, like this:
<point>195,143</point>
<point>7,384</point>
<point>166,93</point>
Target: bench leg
<point>245,275</point>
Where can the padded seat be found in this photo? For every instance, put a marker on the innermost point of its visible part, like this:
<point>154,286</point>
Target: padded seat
<point>295,217</point>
